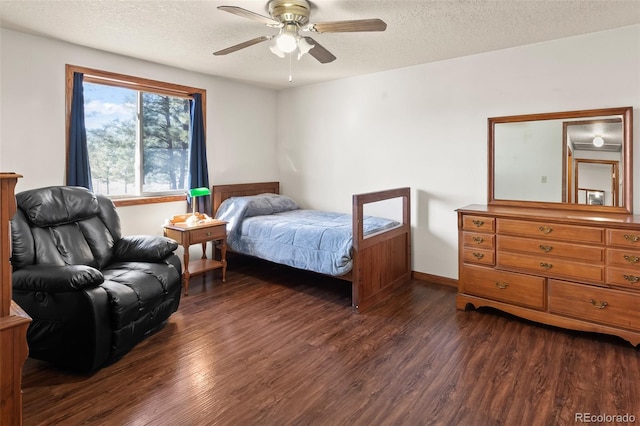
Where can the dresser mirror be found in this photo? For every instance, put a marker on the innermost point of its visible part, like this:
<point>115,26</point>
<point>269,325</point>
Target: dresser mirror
<point>578,160</point>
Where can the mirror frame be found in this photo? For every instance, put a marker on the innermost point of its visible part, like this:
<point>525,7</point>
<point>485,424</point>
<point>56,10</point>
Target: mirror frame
<point>627,160</point>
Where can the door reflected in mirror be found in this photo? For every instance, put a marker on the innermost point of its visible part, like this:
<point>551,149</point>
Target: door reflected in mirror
<point>596,182</point>
<point>562,158</point>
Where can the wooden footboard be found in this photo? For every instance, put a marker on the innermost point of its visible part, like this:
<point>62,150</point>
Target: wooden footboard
<point>381,262</point>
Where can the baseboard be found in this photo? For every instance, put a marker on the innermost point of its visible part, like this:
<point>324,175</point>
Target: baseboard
<point>436,279</point>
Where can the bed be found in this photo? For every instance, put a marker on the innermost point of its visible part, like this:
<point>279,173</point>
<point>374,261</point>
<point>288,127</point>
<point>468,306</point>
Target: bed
<point>380,260</point>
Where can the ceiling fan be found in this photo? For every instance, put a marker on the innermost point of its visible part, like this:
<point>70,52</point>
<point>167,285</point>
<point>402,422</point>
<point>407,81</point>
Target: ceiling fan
<point>291,17</point>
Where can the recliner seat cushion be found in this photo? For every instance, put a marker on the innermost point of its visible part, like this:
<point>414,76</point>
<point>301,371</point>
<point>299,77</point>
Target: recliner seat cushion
<point>135,288</point>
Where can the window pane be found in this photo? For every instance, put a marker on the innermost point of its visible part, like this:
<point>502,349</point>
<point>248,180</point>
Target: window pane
<point>165,142</point>
<point>110,120</point>
<point>121,164</point>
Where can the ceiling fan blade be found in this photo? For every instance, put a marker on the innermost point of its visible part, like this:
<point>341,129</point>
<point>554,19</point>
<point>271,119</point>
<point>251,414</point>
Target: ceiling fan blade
<point>320,53</point>
<point>248,14</point>
<point>242,45</point>
<point>348,26</point>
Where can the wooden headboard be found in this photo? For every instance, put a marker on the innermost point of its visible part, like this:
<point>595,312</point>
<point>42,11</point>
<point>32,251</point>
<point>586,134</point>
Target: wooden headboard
<point>222,192</point>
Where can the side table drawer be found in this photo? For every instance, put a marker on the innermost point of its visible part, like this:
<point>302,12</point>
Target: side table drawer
<point>523,290</point>
<point>207,234</point>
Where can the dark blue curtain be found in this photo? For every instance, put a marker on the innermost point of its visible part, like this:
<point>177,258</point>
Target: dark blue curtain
<point>198,171</point>
<point>78,169</point>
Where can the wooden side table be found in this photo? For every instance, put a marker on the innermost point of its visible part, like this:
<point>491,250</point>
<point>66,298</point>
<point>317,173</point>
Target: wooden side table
<point>187,235</point>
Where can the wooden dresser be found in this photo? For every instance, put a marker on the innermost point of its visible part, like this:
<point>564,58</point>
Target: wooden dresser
<point>578,270</point>
<point>13,320</point>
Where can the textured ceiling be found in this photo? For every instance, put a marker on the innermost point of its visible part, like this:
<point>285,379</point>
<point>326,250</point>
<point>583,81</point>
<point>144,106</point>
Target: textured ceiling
<point>581,135</point>
<point>185,33</point>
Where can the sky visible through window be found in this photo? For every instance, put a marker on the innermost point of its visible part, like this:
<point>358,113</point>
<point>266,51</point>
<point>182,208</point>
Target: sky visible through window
<point>103,104</point>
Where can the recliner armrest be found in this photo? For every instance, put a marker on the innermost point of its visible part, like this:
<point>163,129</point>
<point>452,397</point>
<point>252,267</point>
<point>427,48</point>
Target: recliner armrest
<point>55,279</point>
<point>144,248</point>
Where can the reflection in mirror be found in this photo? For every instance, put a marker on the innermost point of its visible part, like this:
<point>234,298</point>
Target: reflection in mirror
<point>596,176</point>
<point>575,159</point>
<point>594,158</point>
<point>528,161</point>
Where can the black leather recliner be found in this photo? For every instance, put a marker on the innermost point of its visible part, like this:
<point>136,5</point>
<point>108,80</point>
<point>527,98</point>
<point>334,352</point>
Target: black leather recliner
<point>92,293</point>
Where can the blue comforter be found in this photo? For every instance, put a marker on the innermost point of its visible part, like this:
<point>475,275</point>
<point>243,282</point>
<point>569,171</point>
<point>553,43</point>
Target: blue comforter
<point>273,227</point>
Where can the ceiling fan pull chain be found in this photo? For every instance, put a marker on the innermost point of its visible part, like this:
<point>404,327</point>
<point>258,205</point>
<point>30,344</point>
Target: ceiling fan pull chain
<point>290,76</point>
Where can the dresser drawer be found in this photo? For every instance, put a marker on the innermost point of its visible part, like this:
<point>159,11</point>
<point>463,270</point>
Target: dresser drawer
<point>523,290</point>
<point>624,277</point>
<point>478,223</point>
<point>551,267</point>
<point>551,248</point>
<point>480,256</point>
<point>622,238</point>
<point>478,240</point>
<point>602,305</point>
<point>624,258</point>
<point>207,234</point>
<point>542,230</point>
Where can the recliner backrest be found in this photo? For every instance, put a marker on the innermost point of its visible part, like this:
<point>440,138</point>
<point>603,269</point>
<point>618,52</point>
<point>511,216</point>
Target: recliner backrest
<point>64,225</point>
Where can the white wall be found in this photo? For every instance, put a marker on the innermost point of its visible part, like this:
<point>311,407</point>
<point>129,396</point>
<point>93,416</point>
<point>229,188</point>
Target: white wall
<point>32,119</point>
<point>426,127</point>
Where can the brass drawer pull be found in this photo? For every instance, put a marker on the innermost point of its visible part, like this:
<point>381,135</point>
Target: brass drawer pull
<point>545,265</point>
<point>478,223</point>
<point>631,259</point>
<point>478,255</point>
<point>599,305</point>
<point>632,238</point>
<point>546,249</point>
<point>545,229</point>
<point>631,278</point>
<point>502,286</point>
<point>478,240</point>
<point>208,234</point>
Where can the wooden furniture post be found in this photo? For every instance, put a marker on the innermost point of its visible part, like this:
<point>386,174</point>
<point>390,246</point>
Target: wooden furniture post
<point>13,320</point>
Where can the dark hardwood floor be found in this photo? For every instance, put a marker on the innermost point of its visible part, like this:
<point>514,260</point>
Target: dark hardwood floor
<point>276,346</point>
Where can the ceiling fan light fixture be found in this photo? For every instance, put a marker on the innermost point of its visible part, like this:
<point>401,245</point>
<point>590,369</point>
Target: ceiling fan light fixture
<point>598,141</point>
<point>303,47</point>
<point>276,51</point>
<point>287,40</point>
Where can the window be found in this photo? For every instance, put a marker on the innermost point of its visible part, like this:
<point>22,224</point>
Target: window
<point>137,134</point>
<point>138,142</point>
